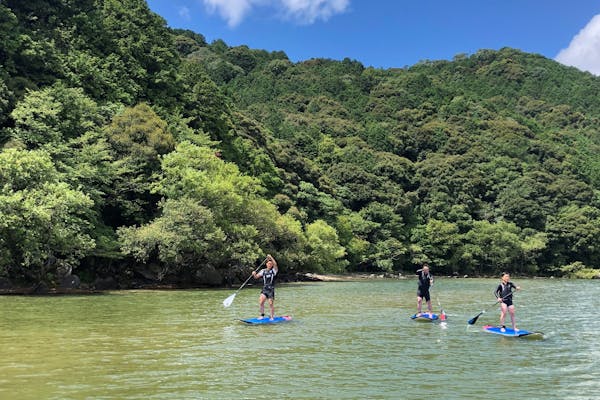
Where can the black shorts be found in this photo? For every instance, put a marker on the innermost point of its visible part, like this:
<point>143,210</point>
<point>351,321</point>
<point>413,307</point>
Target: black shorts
<point>424,294</point>
<point>269,292</point>
<point>508,302</point>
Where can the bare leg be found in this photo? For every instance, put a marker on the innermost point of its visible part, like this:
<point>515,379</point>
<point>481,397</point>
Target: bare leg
<point>511,311</point>
<point>429,306</point>
<point>419,304</point>
<point>502,313</point>
<point>272,307</point>
<point>261,304</point>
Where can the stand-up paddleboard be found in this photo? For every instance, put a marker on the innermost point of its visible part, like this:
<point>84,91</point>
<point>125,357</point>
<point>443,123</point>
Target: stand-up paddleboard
<point>425,317</point>
<point>267,320</point>
<point>509,332</point>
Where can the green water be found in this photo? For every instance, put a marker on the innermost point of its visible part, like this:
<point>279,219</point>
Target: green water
<point>349,340</point>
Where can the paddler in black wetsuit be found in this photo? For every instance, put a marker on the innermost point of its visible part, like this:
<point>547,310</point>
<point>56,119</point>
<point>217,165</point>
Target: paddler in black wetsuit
<point>425,282</point>
<point>504,295</point>
<point>268,291</point>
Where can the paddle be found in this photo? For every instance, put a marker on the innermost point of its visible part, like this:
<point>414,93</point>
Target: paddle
<point>474,319</point>
<point>227,302</point>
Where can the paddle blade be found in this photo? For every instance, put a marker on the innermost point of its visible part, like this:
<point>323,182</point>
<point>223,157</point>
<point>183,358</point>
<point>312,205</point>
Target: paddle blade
<point>443,315</point>
<point>227,302</point>
<point>474,319</point>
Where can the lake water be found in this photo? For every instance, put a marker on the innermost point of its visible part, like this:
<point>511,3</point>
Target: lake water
<point>348,340</point>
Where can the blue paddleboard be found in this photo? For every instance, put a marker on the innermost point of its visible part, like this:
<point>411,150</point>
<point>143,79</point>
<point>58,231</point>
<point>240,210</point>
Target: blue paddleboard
<point>267,320</point>
<point>509,332</point>
<point>425,317</point>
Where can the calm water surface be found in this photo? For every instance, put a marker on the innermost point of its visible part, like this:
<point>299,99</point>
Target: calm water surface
<point>349,340</point>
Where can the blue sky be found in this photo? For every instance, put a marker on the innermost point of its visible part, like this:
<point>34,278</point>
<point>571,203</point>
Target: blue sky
<point>396,33</point>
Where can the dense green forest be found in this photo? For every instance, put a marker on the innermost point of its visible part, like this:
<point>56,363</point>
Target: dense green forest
<point>131,153</point>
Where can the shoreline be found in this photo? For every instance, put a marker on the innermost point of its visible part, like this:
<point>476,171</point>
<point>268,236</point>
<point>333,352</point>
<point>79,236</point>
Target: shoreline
<point>291,278</point>
<point>373,276</point>
<point>349,277</point>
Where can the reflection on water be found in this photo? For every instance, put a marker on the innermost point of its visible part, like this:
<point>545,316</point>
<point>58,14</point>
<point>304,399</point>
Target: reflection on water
<point>349,340</point>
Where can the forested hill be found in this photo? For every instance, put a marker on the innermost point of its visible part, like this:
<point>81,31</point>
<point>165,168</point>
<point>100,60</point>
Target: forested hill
<point>134,153</point>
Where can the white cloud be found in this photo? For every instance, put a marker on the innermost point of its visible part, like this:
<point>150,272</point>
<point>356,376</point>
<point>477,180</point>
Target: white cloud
<point>308,11</point>
<point>584,50</point>
<point>302,11</point>
<point>184,13</point>
<point>231,10</point>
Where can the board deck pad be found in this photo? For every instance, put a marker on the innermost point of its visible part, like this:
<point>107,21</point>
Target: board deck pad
<point>509,332</point>
<point>425,317</point>
<point>266,320</point>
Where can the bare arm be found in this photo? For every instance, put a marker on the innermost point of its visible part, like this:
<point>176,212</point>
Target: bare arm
<point>270,257</point>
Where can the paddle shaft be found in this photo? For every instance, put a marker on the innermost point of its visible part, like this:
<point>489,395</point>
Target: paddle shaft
<point>503,297</point>
<point>252,274</point>
<point>227,302</point>
<point>474,319</point>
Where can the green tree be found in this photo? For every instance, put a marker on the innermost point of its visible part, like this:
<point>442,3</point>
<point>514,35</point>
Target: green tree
<point>241,56</point>
<point>184,238</point>
<point>574,234</point>
<point>355,233</point>
<point>241,222</point>
<point>140,38</point>
<point>54,115</point>
<point>440,244</point>
<point>138,137</point>
<point>9,37</point>
<point>202,101</point>
<point>44,223</point>
<point>492,247</point>
<point>325,252</point>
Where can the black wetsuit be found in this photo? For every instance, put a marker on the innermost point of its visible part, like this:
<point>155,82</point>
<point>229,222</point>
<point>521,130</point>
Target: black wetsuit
<point>268,276</point>
<point>425,280</point>
<point>504,291</point>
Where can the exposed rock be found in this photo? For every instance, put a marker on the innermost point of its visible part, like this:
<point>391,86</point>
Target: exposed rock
<point>208,275</point>
<point>70,282</point>
<point>151,272</point>
<point>108,283</point>
<point>41,288</point>
<point>5,284</point>
<point>308,277</point>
